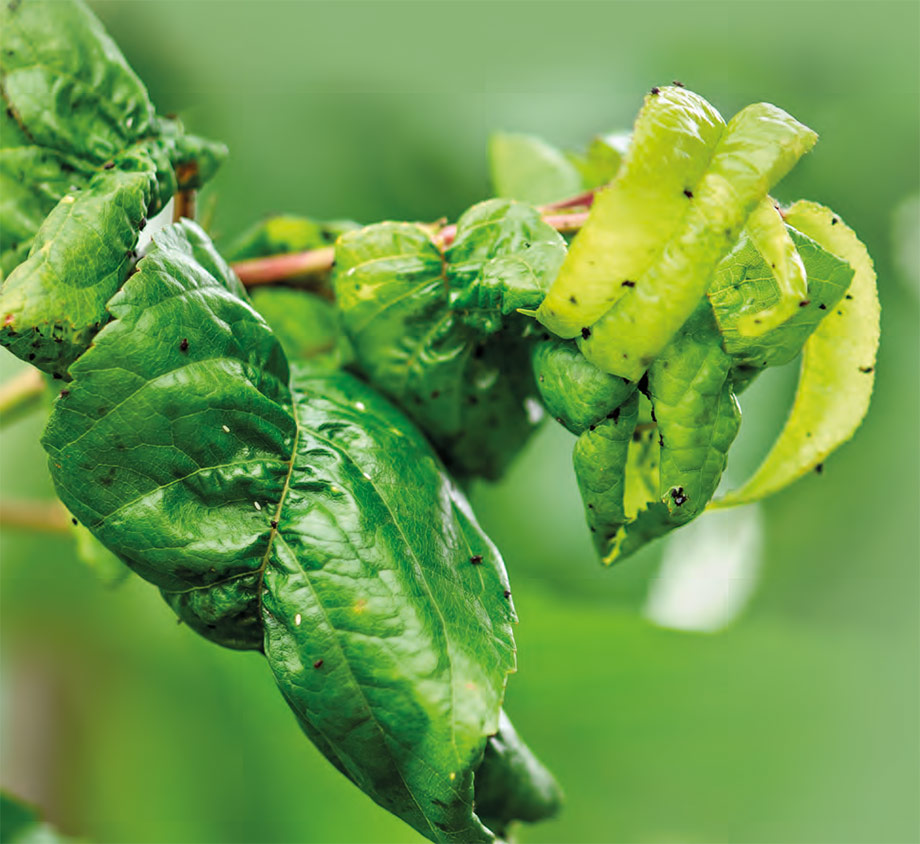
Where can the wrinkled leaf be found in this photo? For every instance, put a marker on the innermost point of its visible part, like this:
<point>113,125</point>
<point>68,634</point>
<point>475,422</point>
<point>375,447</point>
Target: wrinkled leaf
<point>83,162</point>
<point>744,285</point>
<point>757,148</point>
<point>304,517</point>
<point>438,333</point>
<point>838,365</point>
<point>530,170</point>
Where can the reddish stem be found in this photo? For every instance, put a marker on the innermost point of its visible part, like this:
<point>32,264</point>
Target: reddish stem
<point>316,262</point>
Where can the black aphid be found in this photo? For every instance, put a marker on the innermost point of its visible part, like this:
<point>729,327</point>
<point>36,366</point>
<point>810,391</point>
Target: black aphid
<point>476,559</point>
<point>678,495</point>
<point>183,345</point>
<point>585,333</point>
<point>688,193</point>
<point>628,283</point>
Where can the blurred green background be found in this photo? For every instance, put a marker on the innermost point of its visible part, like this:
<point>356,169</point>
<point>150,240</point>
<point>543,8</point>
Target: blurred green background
<point>797,722</point>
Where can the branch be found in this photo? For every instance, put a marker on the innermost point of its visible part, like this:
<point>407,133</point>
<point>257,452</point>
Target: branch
<point>20,394</point>
<point>311,265</point>
<point>44,516</point>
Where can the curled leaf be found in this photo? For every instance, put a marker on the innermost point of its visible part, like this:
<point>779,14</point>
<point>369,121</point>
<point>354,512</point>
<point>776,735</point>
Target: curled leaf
<point>439,333</point>
<point>838,364</point>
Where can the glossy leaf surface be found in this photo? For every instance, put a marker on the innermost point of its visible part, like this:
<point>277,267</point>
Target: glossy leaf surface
<point>303,517</point>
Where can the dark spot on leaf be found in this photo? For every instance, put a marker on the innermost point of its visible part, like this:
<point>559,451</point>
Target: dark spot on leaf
<point>628,283</point>
<point>819,468</point>
<point>506,593</point>
<point>848,296</point>
<point>585,333</point>
<point>476,559</point>
<point>804,303</point>
<point>678,83</point>
<point>688,193</point>
<point>866,369</point>
<point>318,664</point>
<point>108,165</point>
<point>614,415</point>
<point>834,221</point>
<point>656,91</point>
<point>274,523</point>
<point>822,307</point>
<point>75,522</point>
<point>573,300</point>
<point>65,393</point>
<point>183,345</point>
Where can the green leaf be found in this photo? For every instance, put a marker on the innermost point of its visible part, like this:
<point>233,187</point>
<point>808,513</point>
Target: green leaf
<point>574,391</point>
<point>673,139</point>
<point>55,301</point>
<point>304,517</point>
<point>21,824</point>
<point>528,169</point>
<point>838,365</point>
<point>307,326</point>
<point>773,242</point>
<point>601,162</point>
<point>66,82</point>
<point>284,233</point>
<point>744,285</point>
<point>438,332</point>
<point>512,784</point>
<point>639,267</point>
<point>83,162</point>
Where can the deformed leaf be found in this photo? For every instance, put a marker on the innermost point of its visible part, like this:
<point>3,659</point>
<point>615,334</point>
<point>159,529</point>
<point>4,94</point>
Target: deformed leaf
<point>756,149</point>
<point>83,162</point>
<point>301,516</point>
<point>52,304</point>
<point>438,332</point>
<point>744,285</point>
<point>838,364</point>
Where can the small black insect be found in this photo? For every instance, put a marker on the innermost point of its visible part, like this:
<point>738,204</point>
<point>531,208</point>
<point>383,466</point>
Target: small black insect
<point>848,296</point>
<point>628,283</point>
<point>506,593</point>
<point>75,522</point>
<point>274,523</point>
<point>804,303</point>
<point>656,91</point>
<point>834,221</point>
<point>585,333</point>
<point>819,468</point>
<point>822,307</point>
<point>591,427</point>
<point>688,193</point>
<point>678,83</point>
<point>476,559</point>
<point>614,415</point>
<point>573,300</point>
<point>318,664</point>
<point>866,369</point>
<point>678,495</point>
<point>142,223</point>
<point>65,393</point>
<point>183,346</point>
<point>108,165</point>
